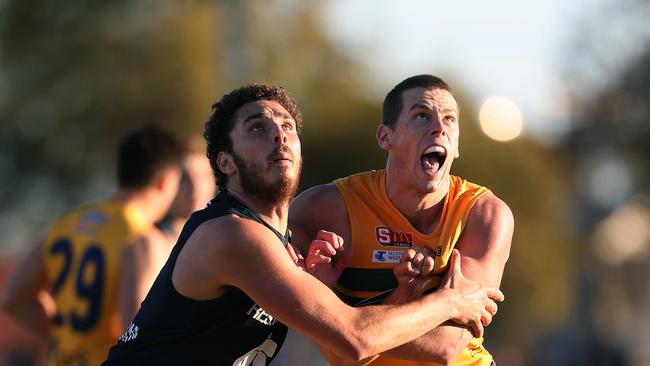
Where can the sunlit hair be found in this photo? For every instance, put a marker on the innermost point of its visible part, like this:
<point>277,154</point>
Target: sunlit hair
<point>144,154</point>
<point>392,106</point>
<point>221,122</point>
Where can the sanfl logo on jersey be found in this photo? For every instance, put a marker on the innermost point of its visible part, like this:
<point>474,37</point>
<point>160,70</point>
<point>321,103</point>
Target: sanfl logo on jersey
<point>131,333</point>
<point>393,238</point>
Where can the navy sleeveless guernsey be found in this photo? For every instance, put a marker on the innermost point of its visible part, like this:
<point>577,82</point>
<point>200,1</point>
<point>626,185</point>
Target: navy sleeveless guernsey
<point>171,329</point>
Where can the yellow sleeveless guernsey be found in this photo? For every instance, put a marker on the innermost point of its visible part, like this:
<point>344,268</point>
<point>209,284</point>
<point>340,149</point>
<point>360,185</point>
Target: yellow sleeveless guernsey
<point>380,234</point>
<point>81,255</point>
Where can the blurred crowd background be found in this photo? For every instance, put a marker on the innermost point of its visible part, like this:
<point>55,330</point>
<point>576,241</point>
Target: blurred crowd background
<point>567,149</point>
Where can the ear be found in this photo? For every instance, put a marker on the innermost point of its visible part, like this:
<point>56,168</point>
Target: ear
<point>383,135</point>
<point>457,154</point>
<point>167,177</point>
<point>225,163</point>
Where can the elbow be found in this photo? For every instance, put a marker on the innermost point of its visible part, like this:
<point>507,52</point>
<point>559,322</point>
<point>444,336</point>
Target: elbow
<point>355,346</point>
<point>355,349</point>
<point>447,355</point>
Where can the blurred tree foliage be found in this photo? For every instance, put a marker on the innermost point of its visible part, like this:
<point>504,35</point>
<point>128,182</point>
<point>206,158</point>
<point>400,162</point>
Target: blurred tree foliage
<point>74,78</point>
<point>609,151</point>
<point>532,180</point>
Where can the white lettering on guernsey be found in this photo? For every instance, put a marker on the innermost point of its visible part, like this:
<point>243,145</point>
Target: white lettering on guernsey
<point>258,355</point>
<point>387,256</point>
<point>260,315</point>
<point>131,333</point>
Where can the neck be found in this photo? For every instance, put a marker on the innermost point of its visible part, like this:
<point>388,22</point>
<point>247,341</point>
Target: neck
<point>275,215</point>
<point>176,223</point>
<point>143,201</point>
<point>421,209</point>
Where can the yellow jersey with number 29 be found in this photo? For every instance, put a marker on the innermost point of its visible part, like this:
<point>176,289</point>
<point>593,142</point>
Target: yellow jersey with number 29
<point>81,254</point>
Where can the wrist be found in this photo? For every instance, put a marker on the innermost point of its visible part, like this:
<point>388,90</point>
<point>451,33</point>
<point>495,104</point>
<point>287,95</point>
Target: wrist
<point>451,301</point>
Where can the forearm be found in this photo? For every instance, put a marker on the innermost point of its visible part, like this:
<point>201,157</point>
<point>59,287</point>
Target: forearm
<point>441,345</point>
<point>391,326</point>
<point>334,359</point>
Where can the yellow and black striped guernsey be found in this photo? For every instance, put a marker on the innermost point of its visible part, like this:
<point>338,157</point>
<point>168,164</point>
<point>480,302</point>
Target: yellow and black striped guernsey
<point>380,234</point>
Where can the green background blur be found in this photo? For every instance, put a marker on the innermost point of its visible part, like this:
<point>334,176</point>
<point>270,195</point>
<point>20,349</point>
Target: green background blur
<point>75,76</point>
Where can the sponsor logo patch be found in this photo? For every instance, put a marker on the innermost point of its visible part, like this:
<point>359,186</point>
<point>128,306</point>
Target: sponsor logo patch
<point>260,315</point>
<point>393,238</point>
<point>387,256</point>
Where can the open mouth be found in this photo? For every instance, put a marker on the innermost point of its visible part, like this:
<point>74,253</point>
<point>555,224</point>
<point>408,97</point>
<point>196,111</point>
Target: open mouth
<point>433,158</point>
<point>280,156</point>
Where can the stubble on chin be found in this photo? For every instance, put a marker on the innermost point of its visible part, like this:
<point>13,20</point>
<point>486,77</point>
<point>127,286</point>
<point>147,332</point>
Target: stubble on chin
<point>258,188</point>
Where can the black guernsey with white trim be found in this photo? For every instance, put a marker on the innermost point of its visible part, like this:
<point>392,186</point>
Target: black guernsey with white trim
<point>171,329</point>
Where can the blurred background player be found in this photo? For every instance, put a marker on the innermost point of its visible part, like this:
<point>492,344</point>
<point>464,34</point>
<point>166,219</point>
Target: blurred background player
<point>143,260</point>
<point>76,264</point>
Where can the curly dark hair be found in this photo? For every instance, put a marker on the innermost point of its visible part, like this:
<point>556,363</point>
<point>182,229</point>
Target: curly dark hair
<point>393,102</point>
<point>221,122</point>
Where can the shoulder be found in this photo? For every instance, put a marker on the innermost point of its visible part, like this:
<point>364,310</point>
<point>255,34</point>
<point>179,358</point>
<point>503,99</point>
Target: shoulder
<point>229,234</point>
<point>147,243</point>
<point>489,228</point>
<point>491,210</point>
<point>220,248</point>
<point>322,196</point>
<point>320,207</point>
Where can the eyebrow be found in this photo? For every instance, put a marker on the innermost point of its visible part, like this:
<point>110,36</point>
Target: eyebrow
<point>449,110</point>
<point>254,116</point>
<point>419,105</point>
<point>262,114</point>
<point>424,106</point>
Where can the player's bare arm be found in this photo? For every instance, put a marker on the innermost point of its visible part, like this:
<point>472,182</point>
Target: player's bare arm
<point>258,264</point>
<point>318,208</point>
<point>139,265</point>
<point>24,294</point>
<point>484,247</point>
<point>415,265</point>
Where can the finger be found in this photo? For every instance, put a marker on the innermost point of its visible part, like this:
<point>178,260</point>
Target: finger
<point>297,259</point>
<point>417,260</point>
<point>477,329</point>
<point>486,319</point>
<point>492,307</point>
<point>292,253</point>
<point>317,259</point>
<point>330,237</point>
<point>321,246</point>
<point>407,256</point>
<point>454,262</point>
<point>405,269</point>
<point>495,294</point>
<point>454,270</point>
<point>427,266</point>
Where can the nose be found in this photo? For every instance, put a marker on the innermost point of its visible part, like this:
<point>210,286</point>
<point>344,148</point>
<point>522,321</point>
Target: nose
<point>437,126</point>
<point>278,134</point>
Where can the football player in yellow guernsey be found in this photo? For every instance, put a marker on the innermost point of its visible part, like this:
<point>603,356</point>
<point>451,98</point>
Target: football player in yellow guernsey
<point>77,264</point>
<point>413,202</point>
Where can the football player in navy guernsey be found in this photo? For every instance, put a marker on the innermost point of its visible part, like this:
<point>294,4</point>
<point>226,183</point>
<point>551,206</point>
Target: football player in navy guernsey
<point>233,283</point>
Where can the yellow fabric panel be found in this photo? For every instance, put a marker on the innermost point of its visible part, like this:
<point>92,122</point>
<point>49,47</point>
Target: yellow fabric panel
<point>81,255</point>
<point>380,233</point>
